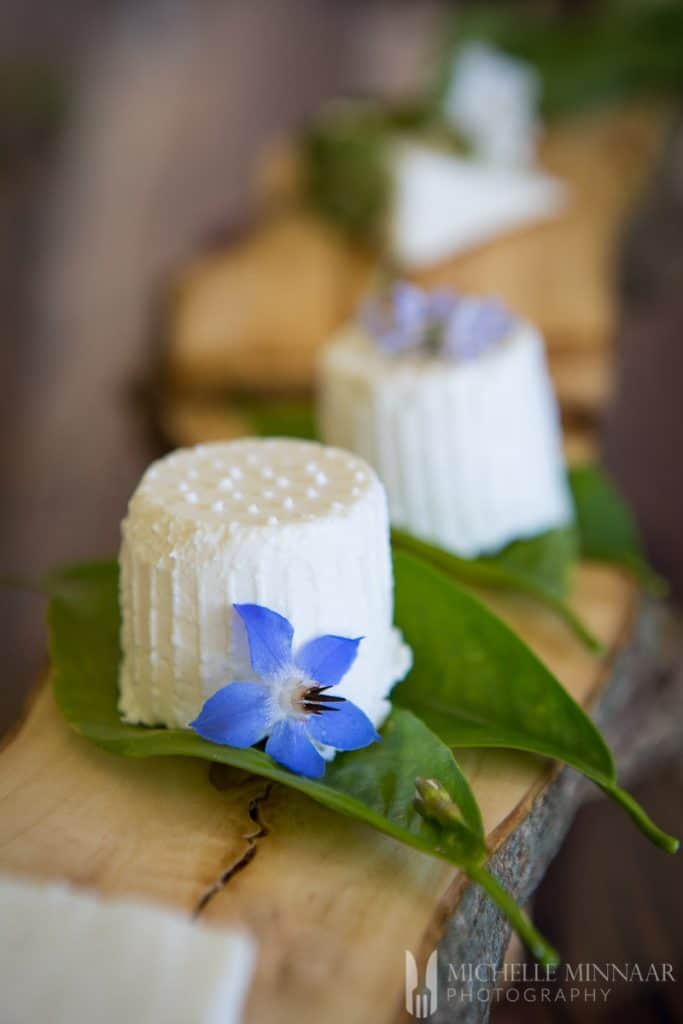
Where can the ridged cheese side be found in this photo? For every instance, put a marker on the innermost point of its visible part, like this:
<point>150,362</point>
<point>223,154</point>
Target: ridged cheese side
<point>470,453</point>
<point>291,525</point>
<point>69,957</point>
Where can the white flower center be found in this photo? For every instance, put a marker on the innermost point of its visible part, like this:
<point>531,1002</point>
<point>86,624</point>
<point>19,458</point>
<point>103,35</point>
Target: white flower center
<point>299,697</point>
<point>291,696</point>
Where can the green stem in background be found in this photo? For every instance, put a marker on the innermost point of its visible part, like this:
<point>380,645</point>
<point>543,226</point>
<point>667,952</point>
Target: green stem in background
<point>646,825</point>
<point>539,947</point>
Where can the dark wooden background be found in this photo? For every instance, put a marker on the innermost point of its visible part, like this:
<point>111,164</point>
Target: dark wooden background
<point>128,131</point>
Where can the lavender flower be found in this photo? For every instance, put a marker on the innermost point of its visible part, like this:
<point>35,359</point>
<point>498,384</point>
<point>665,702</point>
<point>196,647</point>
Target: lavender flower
<point>474,326</point>
<point>398,326</point>
<point>289,703</point>
<point>440,323</point>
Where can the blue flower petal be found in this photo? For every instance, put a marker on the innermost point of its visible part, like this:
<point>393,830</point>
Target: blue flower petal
<point>344,727</point>
<point>290,745</point>
<point>238,715</point>
<point>410,306</point>
<point>327,659</point>
<point>270,638</point>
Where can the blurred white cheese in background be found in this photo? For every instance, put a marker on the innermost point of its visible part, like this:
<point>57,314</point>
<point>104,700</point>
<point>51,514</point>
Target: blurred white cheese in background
<point>492,101</point>
<point>68,957</point>
<point>469,449</point>
<point>445,204</point>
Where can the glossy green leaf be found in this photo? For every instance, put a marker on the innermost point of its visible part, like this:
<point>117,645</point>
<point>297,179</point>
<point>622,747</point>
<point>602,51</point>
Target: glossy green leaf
<point>278,417</point>
<point>375,785</point>
<point>607,528</point>
<point>539,567</point>
<point>476,684</point>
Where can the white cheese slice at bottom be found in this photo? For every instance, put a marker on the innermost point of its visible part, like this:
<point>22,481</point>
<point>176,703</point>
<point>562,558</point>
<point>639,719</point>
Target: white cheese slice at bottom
<point>445,204</point>
<point>68,957</point>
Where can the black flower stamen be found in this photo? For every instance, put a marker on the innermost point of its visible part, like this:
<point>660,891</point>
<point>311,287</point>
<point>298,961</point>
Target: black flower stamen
<point>315,700</point>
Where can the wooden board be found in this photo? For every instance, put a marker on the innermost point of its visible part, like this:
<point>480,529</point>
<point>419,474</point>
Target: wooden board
<point>333,903</point>
<point>253,315</point>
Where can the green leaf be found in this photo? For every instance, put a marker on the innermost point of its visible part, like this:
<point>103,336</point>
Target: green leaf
<point>378,782</point>
<point>278,417</point>
<point>375,785</point>
<point>476,684</point>
<point>607,527</point>
<point>346,177</point>
<point>539,567</point>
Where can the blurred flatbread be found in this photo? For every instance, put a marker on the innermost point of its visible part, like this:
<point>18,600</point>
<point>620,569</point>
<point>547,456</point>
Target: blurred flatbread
<point>251,317</point>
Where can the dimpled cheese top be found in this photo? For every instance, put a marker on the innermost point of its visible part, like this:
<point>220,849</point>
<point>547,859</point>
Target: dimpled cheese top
<point>469,452</point>
<point>292,525</point>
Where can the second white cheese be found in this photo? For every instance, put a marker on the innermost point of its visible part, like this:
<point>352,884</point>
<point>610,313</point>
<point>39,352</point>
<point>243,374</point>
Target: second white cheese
<point>470,453</point>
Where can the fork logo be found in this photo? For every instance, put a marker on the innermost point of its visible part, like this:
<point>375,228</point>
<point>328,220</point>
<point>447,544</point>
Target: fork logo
<point>421,1000</point>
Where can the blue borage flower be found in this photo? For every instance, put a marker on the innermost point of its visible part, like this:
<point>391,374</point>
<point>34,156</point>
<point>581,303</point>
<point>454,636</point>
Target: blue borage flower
<point>289,703</point>
<point>443,323</point>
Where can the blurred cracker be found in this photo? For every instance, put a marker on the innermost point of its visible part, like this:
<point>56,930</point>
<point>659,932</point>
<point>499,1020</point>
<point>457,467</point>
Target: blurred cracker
<point>251,317</point>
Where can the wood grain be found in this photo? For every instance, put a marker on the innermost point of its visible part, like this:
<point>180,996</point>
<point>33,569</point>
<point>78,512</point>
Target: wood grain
<point>333,903</point>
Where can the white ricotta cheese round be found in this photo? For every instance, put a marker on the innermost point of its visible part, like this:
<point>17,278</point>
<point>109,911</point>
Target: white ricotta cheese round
<point>444,204</point>
<point>292,525</point>
<point>469,452</point>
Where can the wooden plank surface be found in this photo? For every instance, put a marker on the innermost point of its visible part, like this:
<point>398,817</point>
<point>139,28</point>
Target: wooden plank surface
<point>333,903</point>
<point>252,315</point>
